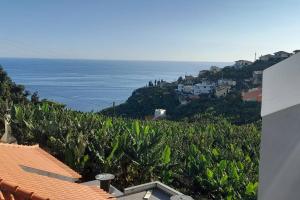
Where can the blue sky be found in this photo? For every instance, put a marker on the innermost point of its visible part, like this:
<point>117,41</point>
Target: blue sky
<point>190,30</point>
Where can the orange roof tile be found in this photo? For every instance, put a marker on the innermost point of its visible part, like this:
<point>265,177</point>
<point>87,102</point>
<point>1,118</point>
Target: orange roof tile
<point>254,94</point>
<point>32,172</point>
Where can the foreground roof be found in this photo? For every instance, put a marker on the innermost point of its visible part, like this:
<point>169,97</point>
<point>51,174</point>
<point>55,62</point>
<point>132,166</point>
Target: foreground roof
<point>151,191</point>
<point>28,172</point>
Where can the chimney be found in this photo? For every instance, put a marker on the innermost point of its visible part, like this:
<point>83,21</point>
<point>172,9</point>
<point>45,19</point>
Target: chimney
<point>105,180</point>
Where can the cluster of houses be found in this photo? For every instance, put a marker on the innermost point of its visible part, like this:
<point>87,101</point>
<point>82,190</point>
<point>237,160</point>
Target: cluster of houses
<point>189,91</point>
<point>279,54</point>
<point>267,57</point>
<point>220,88</point>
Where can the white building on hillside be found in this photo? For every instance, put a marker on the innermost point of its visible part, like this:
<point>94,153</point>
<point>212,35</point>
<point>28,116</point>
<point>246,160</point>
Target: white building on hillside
<point>296,51</point>
<point>282,54</point>
<point>228,82</point>
<point>222,91</point>
<point>203,88</point>
<point>180,87</point>
<point>160,113</point>
<point>257,77</point>
<point>266,57</point>
<point>242,63</point>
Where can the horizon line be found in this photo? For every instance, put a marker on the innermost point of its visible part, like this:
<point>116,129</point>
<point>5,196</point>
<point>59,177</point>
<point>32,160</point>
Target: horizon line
<point>118,59</point>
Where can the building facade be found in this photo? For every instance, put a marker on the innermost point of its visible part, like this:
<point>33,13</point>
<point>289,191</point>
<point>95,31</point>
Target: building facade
<point>203,88</point>
<point>242,63</point>
<point>257,77</point>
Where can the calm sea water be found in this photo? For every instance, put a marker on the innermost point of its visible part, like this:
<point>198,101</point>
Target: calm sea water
<point>87,85</point>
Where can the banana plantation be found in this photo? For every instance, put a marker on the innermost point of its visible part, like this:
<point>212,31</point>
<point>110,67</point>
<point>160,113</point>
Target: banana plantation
<point>206,160</point>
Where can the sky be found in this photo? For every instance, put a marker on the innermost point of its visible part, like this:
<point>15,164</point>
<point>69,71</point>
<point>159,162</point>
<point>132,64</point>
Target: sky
<point>178,30</point>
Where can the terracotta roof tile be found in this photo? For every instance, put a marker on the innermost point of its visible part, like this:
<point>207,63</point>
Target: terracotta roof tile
<point>17,180</point>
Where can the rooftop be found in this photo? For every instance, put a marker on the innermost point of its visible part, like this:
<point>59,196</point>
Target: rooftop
<point>148,191</point>
<point>28,172</point>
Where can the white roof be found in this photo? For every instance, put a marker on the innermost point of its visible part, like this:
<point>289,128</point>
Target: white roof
<point>281,85</point>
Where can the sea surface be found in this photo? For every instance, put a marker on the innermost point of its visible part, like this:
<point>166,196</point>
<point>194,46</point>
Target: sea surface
<point>91,85</point>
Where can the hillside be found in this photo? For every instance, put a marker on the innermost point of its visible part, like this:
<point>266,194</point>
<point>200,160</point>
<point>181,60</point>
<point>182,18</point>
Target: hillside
<point>143,101</point>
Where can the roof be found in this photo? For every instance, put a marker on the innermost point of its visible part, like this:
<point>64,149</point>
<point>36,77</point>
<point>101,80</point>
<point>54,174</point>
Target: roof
<point>258,72</point>
<point>281,78</point>
<point>112,190</point>
<point>281,52</point>
<point>243,61</point>
<point>254,94</point>
<point>156,191</point>
<point>29,171</point>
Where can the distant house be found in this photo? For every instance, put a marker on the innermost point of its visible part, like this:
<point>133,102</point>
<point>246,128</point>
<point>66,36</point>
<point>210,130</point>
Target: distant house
<point>242,63</point>
<point>160,113</point>
<point>266,57</point>
<point>189,79</point>
<point>163,84</point>
<point>222,91</point>
<point>203,88</point>
<point>296,51</point>
<point>257,77</point>
<point>215,69</point>
<point>180,87</point>
<point>188,89</point>
<point>282,54</point>
<point>202,72</point>
<point>253,94</point>
<point>228,82</point>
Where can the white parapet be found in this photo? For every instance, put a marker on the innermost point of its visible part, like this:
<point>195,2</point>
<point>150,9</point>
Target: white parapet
<point>279,174</point>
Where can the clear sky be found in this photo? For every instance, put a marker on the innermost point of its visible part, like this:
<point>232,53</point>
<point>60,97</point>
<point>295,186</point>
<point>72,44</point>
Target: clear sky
<point>190,30</point>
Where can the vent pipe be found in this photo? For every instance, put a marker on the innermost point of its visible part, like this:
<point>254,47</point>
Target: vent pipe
<point>105,180</point>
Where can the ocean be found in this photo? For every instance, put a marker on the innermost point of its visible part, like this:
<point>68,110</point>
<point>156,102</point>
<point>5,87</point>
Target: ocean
<point>91,85</point>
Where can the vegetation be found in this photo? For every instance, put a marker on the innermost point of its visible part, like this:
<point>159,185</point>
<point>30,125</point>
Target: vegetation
<point>207,158</point>
<point>213,160</point>
<point>143,102</point>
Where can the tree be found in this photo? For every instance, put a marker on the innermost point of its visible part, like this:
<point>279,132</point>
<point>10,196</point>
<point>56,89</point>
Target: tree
<point>35,97</point>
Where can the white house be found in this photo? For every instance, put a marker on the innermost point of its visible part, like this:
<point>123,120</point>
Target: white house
<point>180,87</point>
<point>281,54</point>
<point>222,91</point>
<point>202,72</point>
<point>159,113</point>
<point>266,57</point>
<point>257,77</point>
<point>203,88</point>
<point>188,89</point>
<point>296,51</point>
<point>242,63</point>
<point>226,82</point>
